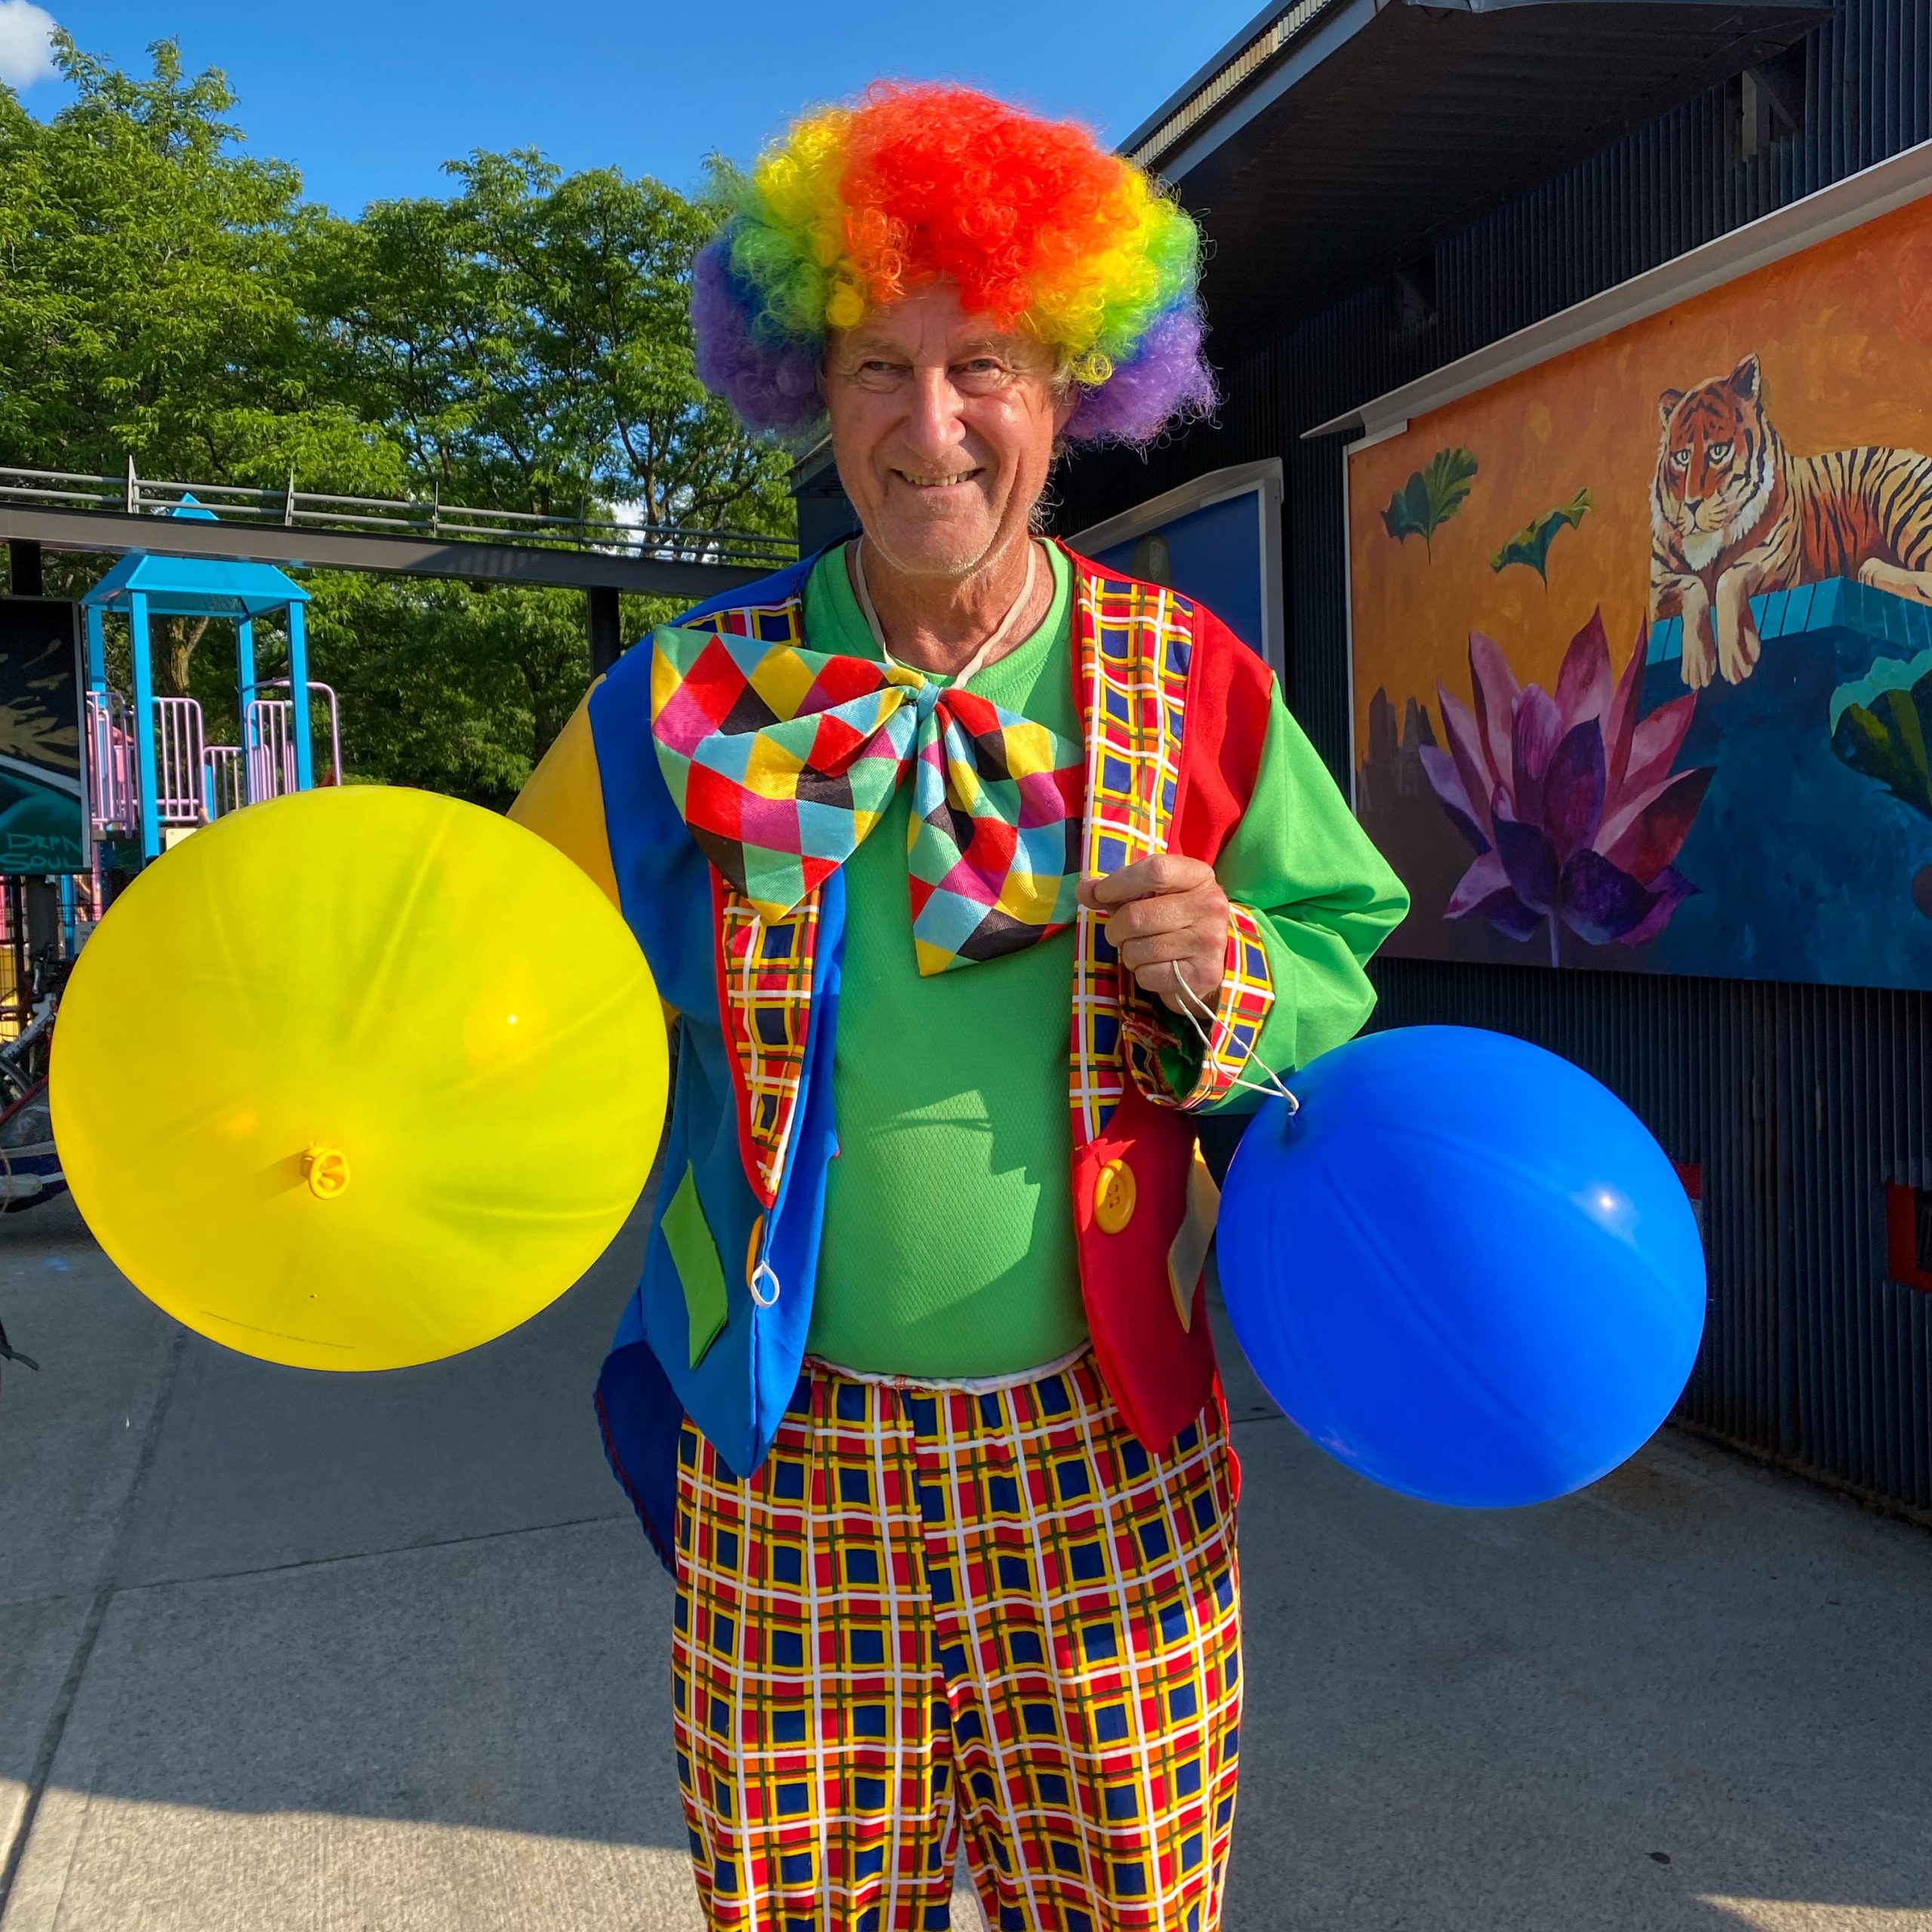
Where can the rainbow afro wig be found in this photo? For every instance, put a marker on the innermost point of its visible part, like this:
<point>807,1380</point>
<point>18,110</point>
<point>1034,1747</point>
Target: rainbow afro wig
<point>1039,227</point>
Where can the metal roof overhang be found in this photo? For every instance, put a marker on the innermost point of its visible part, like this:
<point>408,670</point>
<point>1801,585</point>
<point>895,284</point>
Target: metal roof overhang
<point>1368,128</point>
<point>1845,203</point>
<point>562,568</point>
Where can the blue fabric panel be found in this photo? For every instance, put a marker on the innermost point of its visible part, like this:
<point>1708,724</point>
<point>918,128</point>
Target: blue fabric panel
<point>663,880</point>
<point>640,1418</point>
<point>736,1393</point>
<point>790,582</point>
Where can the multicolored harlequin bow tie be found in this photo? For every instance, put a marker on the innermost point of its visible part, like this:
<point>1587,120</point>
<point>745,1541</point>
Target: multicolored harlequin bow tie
<point>782,760</point>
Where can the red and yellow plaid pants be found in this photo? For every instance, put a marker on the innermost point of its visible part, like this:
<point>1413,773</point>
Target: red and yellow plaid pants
<point>931,1611</point>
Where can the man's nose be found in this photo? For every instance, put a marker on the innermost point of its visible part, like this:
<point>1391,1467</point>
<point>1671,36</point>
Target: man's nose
<point>932,422</point>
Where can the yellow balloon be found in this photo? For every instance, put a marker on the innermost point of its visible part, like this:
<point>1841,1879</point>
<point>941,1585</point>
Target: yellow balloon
<point>359,1078</point>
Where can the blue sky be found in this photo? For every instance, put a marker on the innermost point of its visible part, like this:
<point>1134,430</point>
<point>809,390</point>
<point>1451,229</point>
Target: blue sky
<point>368,97</point>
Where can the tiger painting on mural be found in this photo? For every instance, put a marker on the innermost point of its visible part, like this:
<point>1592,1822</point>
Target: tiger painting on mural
<point>1734,514</point>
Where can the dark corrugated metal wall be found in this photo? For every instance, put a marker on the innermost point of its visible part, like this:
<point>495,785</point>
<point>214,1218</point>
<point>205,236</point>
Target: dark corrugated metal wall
<point>1799,1103</point>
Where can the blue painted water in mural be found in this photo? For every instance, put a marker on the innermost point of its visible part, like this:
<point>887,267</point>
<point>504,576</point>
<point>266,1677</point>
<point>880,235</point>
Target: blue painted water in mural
<point>1805,868</point>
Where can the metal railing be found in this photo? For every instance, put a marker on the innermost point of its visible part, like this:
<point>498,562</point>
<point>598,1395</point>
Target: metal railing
<point>222,780</point>
<point>113,780</point>
<point>195,783</point>
<point>268,737</point>
<point>177,762</point>
<point>135,495</point>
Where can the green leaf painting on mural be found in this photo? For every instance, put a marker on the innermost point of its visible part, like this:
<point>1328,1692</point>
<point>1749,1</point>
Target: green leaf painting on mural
<point>1431,497</point>
<point>1881,726</point>
<point>1530,544</point>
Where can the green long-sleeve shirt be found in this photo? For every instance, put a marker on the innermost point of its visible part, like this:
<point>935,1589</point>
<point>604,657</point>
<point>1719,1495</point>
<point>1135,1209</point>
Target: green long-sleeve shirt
<point>948,1246</point>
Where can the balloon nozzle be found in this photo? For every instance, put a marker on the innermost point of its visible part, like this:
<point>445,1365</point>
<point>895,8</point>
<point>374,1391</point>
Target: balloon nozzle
<point>326,1169</point>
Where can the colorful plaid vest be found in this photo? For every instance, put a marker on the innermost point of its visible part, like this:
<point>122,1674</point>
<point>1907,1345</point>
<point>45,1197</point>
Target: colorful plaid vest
<point>1135,647</point>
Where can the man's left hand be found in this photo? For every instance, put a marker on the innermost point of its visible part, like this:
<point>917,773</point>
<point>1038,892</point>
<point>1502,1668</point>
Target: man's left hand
<point>1163,914</point>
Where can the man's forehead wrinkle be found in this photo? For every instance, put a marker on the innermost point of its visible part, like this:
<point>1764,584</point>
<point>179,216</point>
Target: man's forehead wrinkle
<point>869,338</point>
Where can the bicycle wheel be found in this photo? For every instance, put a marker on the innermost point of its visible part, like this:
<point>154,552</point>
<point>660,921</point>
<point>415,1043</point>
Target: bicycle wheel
<point>15,1084</point>
<point>30,1170</point>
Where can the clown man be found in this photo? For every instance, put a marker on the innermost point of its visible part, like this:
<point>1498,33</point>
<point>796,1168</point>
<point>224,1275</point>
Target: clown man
<point>978,875</point>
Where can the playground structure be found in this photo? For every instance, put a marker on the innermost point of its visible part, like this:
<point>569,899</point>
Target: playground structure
<point>150,771</point>
<point>151,775</point>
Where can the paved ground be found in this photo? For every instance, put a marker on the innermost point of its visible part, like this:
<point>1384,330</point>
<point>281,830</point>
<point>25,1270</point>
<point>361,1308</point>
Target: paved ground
<point>280,1652</point>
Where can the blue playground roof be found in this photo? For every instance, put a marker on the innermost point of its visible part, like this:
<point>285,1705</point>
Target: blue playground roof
<point>196,586</point>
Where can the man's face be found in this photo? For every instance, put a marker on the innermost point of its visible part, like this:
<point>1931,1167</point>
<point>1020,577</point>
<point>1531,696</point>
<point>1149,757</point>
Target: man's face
<point>943,428</point>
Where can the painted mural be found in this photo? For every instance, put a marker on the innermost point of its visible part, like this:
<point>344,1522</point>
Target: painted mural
<point>1643,638</point>
<point>43,806</point>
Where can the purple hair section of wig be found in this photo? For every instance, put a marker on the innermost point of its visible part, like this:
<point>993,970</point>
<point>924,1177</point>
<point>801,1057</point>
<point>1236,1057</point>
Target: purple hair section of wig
<point>769,385</point>
<point>1166,380</point>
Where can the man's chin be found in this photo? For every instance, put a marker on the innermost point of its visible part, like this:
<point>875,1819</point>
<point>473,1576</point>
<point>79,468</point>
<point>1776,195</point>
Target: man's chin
<point>932,550</point>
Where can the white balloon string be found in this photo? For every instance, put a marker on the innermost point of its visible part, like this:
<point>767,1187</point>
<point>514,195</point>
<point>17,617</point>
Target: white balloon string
<point>1191,1003</point>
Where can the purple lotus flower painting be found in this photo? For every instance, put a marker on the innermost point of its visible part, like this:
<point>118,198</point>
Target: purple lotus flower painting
<point>1569,800</point>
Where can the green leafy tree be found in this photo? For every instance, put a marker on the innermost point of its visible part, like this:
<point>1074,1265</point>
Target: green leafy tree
<point>522,343</point>
<point>149,309</point>
<point>387,645</point>
<point>529,340</point>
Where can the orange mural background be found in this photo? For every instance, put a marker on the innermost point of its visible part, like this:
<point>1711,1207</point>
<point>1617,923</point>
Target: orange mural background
<point>1843,332</point>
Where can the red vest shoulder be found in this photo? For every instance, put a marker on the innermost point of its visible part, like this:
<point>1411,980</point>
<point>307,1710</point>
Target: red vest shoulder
<point>1230,698</point>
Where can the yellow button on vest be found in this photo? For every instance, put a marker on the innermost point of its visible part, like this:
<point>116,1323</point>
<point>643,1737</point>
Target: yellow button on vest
<point>1113,1197</point>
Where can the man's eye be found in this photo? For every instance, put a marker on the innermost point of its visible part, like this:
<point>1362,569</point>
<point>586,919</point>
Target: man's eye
<point>981,375</point>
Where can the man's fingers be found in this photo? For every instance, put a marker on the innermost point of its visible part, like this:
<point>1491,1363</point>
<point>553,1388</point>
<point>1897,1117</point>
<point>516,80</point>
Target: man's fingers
<point>1159,948</point>
<point>1164,872</point>
<point>1160,978</point>
<point>1184,913</point>
<point>1163,980</point>
<point>1167,917</point>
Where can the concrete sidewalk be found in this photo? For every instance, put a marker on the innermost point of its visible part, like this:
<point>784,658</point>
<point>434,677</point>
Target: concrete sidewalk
<point>280,1653</point>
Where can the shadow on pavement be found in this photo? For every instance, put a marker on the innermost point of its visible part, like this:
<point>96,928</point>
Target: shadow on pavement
<point>276,1648</point>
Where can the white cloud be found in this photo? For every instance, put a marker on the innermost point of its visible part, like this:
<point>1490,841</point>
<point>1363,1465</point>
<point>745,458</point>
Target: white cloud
<point>26,35</point>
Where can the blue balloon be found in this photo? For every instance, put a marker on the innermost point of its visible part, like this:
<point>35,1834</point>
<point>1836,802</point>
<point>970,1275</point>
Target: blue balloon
<point>1463,1268</point>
